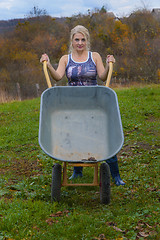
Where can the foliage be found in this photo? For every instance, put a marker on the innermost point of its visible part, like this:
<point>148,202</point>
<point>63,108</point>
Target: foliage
<point>26,209</point>
<point>134,41</point>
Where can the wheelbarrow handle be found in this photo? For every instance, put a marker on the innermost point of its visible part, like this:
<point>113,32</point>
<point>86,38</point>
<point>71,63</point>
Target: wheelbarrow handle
<point>46,74</point>
<point>109,74</point>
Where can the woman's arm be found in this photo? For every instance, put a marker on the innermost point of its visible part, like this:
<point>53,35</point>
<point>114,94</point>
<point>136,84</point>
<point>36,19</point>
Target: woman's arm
<point>59,73</point>
<point>101,70</point>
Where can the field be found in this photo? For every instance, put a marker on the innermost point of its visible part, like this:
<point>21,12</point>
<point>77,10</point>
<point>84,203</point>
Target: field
<point>26,211</point>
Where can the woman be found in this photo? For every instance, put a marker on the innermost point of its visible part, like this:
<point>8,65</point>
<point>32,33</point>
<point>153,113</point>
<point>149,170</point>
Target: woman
<point>82,67</point>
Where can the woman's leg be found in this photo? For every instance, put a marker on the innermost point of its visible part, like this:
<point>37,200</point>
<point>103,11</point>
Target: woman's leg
<point>77,172</point>
<point>114,169</point>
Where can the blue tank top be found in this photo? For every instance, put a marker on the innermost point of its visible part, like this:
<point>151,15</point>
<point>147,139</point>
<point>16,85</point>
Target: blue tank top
<point>81,73</point>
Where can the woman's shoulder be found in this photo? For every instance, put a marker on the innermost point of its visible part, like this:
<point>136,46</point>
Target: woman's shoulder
<point>64,59</point>
<point>96,56</point>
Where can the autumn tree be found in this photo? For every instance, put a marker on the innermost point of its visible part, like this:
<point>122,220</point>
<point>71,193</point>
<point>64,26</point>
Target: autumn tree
<point>145,49</point>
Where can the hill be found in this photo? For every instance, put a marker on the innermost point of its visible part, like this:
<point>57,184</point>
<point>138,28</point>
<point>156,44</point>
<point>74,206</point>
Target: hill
<point>9,25</point>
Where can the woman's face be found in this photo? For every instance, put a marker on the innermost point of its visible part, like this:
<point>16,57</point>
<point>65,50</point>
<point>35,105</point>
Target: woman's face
<point>79,42</point>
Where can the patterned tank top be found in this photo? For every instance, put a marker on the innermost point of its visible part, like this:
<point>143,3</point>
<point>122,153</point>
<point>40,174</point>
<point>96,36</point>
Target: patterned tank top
<point>81,73</point>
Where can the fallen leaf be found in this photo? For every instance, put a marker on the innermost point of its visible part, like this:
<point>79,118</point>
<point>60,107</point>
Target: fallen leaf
<point>36,228</point>
<point>152,189</point>
<point>148,225</point>
<point>102,236</point>
<point>59,213</point>
<point>49,221</point>
<point>118,229</point>
<point>66,211</point>
<point>149,216</point>
<point>53,215</point>
<point>110,223</point>
<point>143,234</point>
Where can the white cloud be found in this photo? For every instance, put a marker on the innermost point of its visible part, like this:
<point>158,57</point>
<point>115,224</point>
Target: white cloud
<point>6,4</point>
<point>10,9</point>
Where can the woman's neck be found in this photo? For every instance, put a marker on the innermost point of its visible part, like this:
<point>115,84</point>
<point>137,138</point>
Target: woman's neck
<point>80,56</point>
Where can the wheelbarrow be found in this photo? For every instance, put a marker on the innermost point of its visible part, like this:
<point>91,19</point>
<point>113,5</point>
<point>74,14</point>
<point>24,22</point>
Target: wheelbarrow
<point>80,126</point>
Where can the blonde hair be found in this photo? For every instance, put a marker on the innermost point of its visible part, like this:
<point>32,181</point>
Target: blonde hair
<point>80,29</point>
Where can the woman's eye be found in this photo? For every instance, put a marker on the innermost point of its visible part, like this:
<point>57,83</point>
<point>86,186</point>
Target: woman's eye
<point>77,39</point>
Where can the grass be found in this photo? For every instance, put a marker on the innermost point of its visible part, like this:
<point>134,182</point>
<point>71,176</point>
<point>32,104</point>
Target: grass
<point>26,210</point>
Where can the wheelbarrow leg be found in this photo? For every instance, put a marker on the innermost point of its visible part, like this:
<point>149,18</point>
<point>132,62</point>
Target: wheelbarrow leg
<point>95,180</point>
<point>65,174</point>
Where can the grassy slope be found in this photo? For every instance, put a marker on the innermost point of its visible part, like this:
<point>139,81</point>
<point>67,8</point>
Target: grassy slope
<point>26,210</point>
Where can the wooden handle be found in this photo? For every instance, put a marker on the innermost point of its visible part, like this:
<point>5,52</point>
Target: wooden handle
<point>46,74</point>
<point>109,74</point>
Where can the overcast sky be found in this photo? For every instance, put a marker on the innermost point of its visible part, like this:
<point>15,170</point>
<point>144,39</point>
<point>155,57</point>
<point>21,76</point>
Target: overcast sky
<point>10,9</point>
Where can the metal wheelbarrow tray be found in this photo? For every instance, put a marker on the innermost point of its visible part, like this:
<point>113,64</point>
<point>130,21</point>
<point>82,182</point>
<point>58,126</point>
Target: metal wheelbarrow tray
<point>80,124</point>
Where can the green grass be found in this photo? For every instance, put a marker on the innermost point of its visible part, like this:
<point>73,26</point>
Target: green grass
<point>26,210</point>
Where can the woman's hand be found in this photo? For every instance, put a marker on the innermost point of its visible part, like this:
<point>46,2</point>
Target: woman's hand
<point>44,57</point>
<point>110,58</point>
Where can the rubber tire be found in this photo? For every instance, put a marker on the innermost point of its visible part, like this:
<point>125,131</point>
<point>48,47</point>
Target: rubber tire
<point>105,187</point>
<point>56,183</point>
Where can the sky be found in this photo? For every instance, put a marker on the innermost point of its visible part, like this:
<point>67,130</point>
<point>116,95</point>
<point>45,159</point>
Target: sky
<point>12,9</point>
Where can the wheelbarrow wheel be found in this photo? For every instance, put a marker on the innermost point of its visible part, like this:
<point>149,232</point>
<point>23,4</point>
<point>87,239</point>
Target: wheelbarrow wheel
<point>56,183</point>
<point>105,189</point>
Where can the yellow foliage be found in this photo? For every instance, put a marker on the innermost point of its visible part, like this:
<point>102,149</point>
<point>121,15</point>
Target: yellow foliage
<point>122,69</point>
<point>158,73</point>
<point>115,73</point>
<point>24,56</point>
<point>64,48</point>
<point>4,75</point>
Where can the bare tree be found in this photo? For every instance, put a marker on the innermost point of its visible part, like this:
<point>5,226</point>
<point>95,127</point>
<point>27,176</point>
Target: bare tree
<point>37,12</point>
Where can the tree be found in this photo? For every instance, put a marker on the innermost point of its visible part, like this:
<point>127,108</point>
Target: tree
<point>37,12</point>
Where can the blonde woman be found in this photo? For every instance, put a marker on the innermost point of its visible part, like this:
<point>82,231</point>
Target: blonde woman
<point>81,67</point>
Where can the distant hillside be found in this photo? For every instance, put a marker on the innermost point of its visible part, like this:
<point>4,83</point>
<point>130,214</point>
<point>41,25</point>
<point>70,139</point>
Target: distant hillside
<point>9,25</point>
